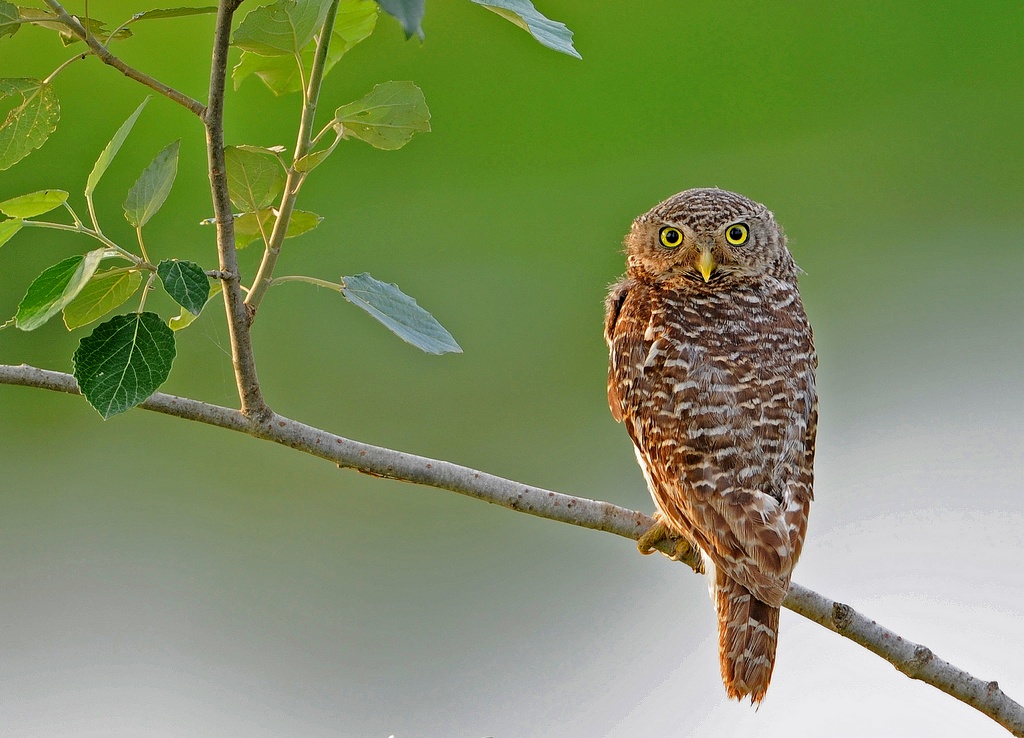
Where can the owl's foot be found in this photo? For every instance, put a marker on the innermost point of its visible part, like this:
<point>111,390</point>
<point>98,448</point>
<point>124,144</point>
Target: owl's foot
<point>682,549</point>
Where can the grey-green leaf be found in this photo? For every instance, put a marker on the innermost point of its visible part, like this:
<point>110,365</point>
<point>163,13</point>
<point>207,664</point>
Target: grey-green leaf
<point>399,313</point>
<point>124,361</point>
<point>408,12</point>
<point>254,180</point>
<point>9,19</point>
<point>55,288</point>
<point>550,33</point>
<point>186,282</point>
<point>105,291</point>
<point>152,187</point>
<point>30,122</point>
<point>111,149</point>
<point>282,28</point>
<point>156,13</point>
<point>8,228</point>
<point>33,204</point>
<point>387,117</point>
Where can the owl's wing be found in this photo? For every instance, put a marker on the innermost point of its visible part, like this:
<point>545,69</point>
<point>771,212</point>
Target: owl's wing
<point>748,456</point>
<point>613,305</point>
<point>707,435</point>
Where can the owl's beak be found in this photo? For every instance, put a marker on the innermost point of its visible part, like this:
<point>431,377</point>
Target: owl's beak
<point>706,263</point>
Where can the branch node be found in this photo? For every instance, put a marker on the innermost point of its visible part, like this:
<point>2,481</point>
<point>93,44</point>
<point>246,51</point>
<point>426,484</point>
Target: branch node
<point>922,655</point>
<point>842,616</point>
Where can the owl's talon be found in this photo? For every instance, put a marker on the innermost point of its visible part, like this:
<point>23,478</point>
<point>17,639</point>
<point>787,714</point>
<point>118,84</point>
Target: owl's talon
<point>682,549</point>
<point>648,542</point>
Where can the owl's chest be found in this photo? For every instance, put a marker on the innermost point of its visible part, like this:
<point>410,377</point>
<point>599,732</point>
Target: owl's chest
<point>742,331</point>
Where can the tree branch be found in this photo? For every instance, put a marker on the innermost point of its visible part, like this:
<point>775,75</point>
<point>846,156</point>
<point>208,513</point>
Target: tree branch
<point>239,318</point>
<point>104,55</point>
<point>914,660</point>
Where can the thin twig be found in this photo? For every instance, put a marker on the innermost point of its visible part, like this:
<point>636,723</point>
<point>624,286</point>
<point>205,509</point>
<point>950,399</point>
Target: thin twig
<point>912,659</point>
<point>104,55</point>
<point>80,227</point>
<point>239,318</point>
<point>294,178</point>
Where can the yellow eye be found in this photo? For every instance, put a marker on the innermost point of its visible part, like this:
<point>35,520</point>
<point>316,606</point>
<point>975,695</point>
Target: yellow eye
<point>670,237</point>
<point>737,234</point>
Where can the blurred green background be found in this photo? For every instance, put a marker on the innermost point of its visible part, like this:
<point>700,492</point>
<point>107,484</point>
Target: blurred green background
<point>161,578</point>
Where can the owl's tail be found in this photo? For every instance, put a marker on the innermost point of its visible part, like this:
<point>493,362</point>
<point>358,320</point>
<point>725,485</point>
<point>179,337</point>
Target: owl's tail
<point>747,633</point>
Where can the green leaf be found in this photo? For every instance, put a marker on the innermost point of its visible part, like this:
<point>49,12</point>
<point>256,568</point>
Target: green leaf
<point>150,190</point>
<point>399,313</point>
<point>104,292</point>
<point>124,361</point>
<point>247,225</point>
<point>184,319</point>
<point>8,228</point>
<point>354,22</point>
<point>274,151</point>
<point>279,73</point>
<point>55,288</point>
<point>311,161</point>
<point>550,33</point>
<point>156,13</point>
<point>111,149</point>
<point>254,180</point>
<point>48,19</point>
<point>387,117</point>
<point>9,17</point>
<point>30,122</point>
<point>185,282</point>
<point>282,28</point>
<point>408,12</point>
<point>302,221</point>
<point>33,204</point>
<point>43,19</point>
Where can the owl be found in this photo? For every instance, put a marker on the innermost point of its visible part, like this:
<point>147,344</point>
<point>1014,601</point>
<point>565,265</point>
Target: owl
<point>712,373</point>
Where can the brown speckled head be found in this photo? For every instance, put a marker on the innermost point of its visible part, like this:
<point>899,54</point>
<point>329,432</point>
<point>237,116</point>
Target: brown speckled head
<point>707,235</point>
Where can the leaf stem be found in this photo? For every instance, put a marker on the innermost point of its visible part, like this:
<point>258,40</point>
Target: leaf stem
<point>293,181</point>
<point>64,66</point>
<point>142,244</point>
<point>104,55</point>
<point>92,212</point>
<point>311,280</point>
<point>74,215</point>
<point>145,291</point>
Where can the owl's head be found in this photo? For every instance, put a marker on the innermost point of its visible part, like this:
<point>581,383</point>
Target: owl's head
<point>708,236</point>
